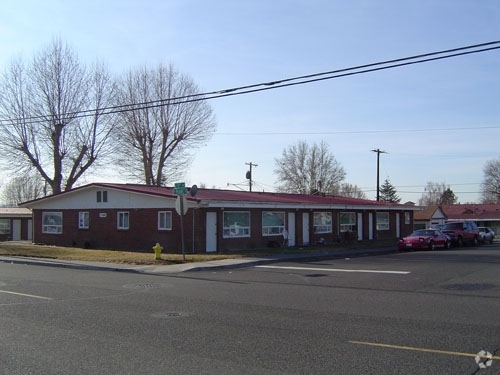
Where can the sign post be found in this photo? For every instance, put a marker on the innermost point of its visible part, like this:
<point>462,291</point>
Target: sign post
<point>180,190</point>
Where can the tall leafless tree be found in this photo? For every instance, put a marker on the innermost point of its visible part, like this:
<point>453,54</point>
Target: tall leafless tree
<point>21,189</point>
<point>51,118</point>
<point>308,169</point>
<point>436,194</point>
<point>351,191</point>
<point>490,187</point>
<point>157,137</point>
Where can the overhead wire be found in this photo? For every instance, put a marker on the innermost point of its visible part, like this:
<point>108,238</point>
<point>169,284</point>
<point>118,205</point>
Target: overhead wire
<point>270,85</point>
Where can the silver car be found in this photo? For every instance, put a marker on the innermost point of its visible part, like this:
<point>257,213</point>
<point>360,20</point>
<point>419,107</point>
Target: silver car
<point>486,234</point>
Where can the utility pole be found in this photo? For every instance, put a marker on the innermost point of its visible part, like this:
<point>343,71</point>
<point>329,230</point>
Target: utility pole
<point>378,151</point>
<point>249,174</point>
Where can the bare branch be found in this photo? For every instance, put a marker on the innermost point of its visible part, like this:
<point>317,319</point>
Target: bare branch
<point>52,91</point>
<point>306,169</point>
<point>156,143</point>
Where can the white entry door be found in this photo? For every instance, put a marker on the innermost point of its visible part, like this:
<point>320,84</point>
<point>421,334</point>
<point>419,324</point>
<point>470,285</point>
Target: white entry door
<point>211,232</point>
<point>291,229</point>
<point>30,230</point>
<point>16,230</point>
<point>305,228</point>
<point>360,226</point>
<point>370,226</point>
<point>398,225</point>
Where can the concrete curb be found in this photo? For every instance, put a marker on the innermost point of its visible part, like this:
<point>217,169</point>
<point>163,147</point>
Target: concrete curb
<point>195,267</point>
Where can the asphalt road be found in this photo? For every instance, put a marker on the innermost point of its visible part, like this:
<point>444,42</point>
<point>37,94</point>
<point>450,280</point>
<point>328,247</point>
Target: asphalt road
<point>404,313</point>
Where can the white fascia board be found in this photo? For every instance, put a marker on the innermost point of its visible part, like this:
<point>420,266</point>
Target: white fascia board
<point>291,206</point>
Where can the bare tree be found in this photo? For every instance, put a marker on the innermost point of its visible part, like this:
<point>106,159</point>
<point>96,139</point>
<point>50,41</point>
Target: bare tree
<point>47,122</point>
<point>157,140</point>
<point>351,191</point>
<point>437,194</point>
<point>22,189</point>
<point>490,187</point>
<point>308,169</point>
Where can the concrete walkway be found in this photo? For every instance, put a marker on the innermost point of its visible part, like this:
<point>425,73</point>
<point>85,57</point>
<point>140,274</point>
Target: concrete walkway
<point>202,266</point>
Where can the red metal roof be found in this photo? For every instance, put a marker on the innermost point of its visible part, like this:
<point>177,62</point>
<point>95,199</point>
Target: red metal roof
<point>246,196</point>
<point>14,211</point>
<point>472,211</point>
<point>217,195</point>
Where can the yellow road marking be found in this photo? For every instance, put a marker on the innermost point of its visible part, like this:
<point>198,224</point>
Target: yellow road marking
<point>420,349</point>
<point>24,295</point>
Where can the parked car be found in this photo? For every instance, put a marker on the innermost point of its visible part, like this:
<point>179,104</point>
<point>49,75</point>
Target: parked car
<point>486,234</point>
<point>438,226</point>
<point>425,239</point>
<point>462,232</point>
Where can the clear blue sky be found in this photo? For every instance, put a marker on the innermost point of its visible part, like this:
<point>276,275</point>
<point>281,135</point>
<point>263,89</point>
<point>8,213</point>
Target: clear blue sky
<point>437,121</point>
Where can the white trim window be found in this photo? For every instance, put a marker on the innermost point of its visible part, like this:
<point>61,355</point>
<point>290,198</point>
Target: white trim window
<point>322,222</point>
<point>83,220</point>
<point>347,222</point>
<point>407,218</point>
<point>164,220</point>
<point>382,220</point>
<point>123,220</point>
<point>52,222</point>
<point>236,224</point>
<point>4,226</point>
<point>273,223</point>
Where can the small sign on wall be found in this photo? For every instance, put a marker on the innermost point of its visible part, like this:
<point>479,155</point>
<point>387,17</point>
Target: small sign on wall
<point>103,214</point>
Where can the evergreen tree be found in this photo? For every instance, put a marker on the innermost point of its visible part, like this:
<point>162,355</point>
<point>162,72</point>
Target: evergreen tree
<point>388,193</point>
<point>448,197</point>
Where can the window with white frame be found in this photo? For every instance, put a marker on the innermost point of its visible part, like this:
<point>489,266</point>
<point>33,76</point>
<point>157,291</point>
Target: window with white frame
<point>83,220</point>
<point>407,218</point>
<point>322,222</point>
<point>236,224</point>
<point>4,226</point>
<point>382,220</point>
<point>52,222</point>
<point>123,220</point>
<point>347,221</point>
<point>165,220</point>
<point>273,223</point>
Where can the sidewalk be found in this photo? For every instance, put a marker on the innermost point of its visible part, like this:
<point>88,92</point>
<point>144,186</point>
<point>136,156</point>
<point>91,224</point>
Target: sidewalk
<point>202,266</point>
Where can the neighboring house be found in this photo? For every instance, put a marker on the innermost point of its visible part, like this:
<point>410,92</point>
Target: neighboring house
<point>428,217</point>
<point>135,217</point>
<point>484,215</point>
<point>15,224</point>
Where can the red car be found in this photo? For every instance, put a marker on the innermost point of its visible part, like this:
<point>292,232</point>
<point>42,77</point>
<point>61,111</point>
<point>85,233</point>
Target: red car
<point>425,239</point>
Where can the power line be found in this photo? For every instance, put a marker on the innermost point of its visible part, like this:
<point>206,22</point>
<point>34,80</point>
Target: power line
<point>340,132</point>
<point>287,82</point>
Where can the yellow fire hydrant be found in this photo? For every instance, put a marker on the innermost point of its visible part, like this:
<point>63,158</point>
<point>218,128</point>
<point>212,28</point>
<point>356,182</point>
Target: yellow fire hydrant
<point>157,249</point>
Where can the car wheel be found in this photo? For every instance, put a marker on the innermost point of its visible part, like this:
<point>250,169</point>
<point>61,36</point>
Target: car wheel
<point>432,246</point>
<point>447,245</point>
<point>491,241</point>
<point>460,242</point>
<point>476,241</point>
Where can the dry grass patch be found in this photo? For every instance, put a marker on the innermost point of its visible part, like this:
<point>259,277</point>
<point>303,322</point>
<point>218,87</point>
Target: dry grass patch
<point>27,249</point>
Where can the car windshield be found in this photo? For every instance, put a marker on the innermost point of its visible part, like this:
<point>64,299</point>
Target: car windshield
<point>422,232</point>
<point>454,226</point>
